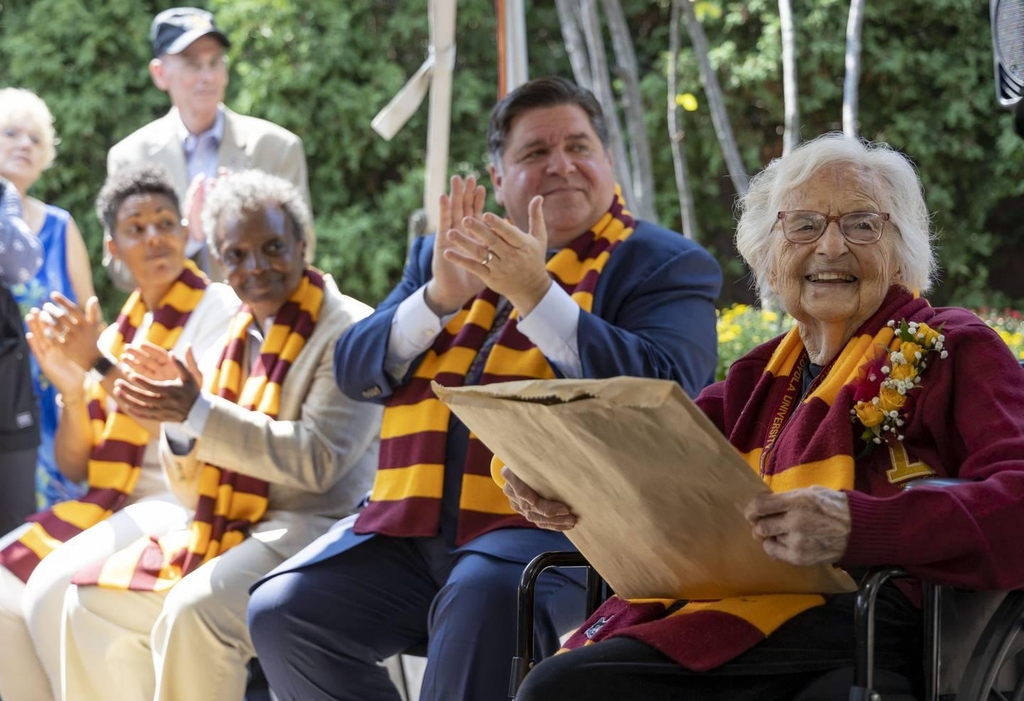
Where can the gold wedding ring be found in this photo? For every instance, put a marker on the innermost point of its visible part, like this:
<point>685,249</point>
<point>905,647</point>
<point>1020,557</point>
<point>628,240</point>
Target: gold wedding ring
<point>487,258</point>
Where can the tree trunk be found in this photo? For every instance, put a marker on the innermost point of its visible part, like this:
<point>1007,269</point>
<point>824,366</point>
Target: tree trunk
<point>853,28</point>
<point>569,19</point>
<point>713,92</point>
<point>639,145</point>
<point>791,93</point>
<point>676,134</point>
<point>602,88</point>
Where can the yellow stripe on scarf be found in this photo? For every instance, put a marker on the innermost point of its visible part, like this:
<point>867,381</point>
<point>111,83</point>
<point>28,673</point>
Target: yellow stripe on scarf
<point>406,420</point>
<point>420,480</point>
<point>517,363</point>
<point>766,613</point>
<point>39,541</point>
<point>846,369</point>
<point>451,361</point>
<point>79,513</point>
<point>835,472</point>
<point>479,494</point>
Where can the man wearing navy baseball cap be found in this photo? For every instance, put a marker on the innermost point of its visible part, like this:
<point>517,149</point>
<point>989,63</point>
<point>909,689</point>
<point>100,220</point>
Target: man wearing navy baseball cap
<point>174,30</point>
<point>200,137</point>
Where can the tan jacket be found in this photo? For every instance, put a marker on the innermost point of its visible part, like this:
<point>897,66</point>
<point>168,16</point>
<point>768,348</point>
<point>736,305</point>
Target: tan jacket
<point>248,142</point>
<point>319,455</point>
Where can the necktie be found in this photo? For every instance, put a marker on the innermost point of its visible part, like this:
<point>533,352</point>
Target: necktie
<point>476,368</point>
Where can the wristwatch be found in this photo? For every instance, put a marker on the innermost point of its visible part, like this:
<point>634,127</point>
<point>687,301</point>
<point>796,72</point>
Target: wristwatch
<point>101,368</point>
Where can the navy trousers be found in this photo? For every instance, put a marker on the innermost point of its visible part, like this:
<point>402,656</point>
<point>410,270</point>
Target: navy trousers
<point>321,630</point>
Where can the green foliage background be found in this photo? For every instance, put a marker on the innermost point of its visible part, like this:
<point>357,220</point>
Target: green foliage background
<point>323,69</point>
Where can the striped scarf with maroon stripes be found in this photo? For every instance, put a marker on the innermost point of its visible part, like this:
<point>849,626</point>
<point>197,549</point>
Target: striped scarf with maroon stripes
<point>792,442</point>
<point>229,503</point>
<point>406,497</point>
<point>119,443</point>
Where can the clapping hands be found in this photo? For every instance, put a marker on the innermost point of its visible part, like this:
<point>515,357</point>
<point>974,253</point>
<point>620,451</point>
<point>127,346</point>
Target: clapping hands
<point>158,386</point>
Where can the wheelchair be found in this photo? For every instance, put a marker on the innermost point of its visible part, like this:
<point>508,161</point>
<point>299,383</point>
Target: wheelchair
<point>973,641</point>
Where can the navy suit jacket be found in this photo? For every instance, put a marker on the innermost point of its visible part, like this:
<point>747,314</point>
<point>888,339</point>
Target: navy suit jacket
<point>653,316</point>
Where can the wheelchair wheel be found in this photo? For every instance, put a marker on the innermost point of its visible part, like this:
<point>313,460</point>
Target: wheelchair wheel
<point>996,668</point>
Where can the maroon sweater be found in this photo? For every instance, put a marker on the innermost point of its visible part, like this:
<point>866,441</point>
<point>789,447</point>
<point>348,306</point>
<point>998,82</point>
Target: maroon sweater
<point>966,421</point>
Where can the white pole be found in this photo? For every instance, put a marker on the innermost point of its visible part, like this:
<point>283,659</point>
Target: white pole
<point>442,39</point>
<point>516,65</point>
<point>853,30</point>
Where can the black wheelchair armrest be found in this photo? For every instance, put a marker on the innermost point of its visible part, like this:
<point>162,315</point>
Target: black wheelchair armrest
<point>523,660</point>
<point>864,630</point>
<point>864,616</point>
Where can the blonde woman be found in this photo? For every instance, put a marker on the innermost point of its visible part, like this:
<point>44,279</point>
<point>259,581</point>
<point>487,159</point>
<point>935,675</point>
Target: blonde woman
<point>27,148</point>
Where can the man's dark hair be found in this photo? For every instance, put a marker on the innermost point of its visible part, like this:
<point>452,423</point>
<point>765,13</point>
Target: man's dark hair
<point>542,92</point>
<point>134,180</point>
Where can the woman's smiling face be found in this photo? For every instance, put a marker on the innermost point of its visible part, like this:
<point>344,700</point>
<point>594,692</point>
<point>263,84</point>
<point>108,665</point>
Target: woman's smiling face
<point>22,153</point>
<point>149,238</point>
<point>832,281</point>
<point>263,257</point>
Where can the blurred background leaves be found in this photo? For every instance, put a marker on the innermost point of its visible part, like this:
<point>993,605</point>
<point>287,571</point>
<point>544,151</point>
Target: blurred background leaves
<point>323,69</point>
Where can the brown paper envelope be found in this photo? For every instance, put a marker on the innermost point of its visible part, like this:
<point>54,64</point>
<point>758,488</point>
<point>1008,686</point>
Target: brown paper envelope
<point>659,493</point>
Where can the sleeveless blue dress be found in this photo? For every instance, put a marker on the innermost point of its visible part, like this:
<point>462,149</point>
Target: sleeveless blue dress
<point>51,485</point>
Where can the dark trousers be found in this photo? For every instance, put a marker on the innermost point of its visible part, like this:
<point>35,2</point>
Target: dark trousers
<point>320,631</point>
<point>17,488</point>
<point>800,652</point>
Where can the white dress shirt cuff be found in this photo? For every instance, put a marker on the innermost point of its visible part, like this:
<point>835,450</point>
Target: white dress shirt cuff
<point>552,326</point>
<point>181,437</point>
<point>413,330</point>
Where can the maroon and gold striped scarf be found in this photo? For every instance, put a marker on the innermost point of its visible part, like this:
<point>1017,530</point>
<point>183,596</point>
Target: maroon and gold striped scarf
<point>229,503</point>
<point>406,498</point>
<point>119,443</point>
<point>791,443</point>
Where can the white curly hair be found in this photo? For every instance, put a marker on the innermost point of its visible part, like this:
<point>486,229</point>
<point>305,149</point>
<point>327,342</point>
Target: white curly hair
<point>901,194</point>
<point>248,191</point>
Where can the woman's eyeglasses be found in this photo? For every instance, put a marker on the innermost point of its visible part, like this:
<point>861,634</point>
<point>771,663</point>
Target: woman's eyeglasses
<point>804,226</point>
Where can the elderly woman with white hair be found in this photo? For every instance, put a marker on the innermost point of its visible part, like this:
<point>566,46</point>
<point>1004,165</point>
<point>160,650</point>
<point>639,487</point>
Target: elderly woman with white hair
<point>27,148</point>
<point>871,390</point>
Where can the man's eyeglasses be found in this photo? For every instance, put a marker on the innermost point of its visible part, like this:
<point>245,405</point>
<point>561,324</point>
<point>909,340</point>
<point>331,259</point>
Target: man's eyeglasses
<point>804,226</point>
<point>194,66</point>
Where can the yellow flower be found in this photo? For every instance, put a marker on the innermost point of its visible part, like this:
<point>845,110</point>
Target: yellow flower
<point>728,332</point>
<point>889,399</point>
<point>909,349</point>
<point>930,334</point>
<point>869,414</point>
<point>903,372</point>
<point>687,101</point>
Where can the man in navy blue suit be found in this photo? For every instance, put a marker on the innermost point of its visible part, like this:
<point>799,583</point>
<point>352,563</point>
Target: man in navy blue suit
<point>568,285</point>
